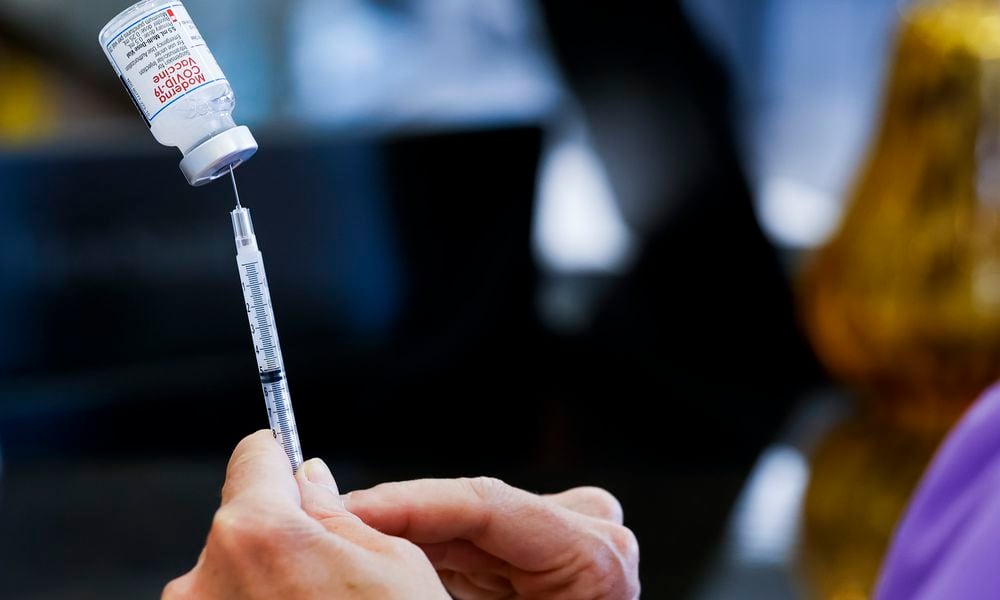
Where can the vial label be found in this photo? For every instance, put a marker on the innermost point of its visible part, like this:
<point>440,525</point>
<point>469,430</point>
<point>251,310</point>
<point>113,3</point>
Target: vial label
<point>161,57</point>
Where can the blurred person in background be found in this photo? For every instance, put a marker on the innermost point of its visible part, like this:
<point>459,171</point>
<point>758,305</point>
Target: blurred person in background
<point>946,545</point>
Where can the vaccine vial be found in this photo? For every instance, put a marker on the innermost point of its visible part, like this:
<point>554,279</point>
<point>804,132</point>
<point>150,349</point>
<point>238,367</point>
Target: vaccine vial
<point>178,87</point>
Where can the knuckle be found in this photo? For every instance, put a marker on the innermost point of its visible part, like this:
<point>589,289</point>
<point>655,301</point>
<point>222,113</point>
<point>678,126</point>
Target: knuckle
<point>625,543</point>
<point>490,490</point>
<point>614,563</point>
<point>493,495</point>
<point>236,531</point>
<point>606,504</point>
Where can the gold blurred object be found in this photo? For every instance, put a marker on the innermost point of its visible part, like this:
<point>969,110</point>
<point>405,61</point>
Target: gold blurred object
<point>904,303</point>
<point>863,475</point>
<point>26,111</point>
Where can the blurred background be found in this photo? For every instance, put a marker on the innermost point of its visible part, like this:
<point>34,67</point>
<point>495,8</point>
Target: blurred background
<point>736,262</point>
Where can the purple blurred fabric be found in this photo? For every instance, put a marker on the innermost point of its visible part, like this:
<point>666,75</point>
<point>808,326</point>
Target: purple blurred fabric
<point>948,543</point>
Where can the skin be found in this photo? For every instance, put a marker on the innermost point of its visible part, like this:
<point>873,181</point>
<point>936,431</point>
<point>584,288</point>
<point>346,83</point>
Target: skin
<point>490,541</point>
<point>282,536</point>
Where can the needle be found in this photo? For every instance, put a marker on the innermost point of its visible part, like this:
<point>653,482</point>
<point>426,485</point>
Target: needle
<point>235,189</point>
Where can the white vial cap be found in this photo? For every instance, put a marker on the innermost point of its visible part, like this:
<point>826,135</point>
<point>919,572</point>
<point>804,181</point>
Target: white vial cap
<point>212,159</point>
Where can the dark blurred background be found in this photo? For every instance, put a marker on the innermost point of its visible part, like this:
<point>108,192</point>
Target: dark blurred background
<point>551,242</point>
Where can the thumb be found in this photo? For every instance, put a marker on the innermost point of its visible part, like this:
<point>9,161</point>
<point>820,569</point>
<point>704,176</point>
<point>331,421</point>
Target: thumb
<point>320,496</point>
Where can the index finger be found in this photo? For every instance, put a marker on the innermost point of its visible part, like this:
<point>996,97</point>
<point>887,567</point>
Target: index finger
<point>516,526</point>
<point>259,470</point>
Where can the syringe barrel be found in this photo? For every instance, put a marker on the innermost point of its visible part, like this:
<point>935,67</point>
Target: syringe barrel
<point>264,334</point>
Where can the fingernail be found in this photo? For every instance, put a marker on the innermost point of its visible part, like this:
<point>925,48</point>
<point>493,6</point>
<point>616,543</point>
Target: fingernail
<point>317,472</point>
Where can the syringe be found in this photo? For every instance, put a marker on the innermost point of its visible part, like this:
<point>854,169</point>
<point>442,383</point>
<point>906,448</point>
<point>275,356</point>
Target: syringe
<point>265,334</point>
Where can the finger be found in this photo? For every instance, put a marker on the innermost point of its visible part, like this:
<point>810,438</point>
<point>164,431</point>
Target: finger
<point>318,488</point>
<point>259,471</point>
<point>523,529</point>
<point>463,556</point>
<point>322,501</point>
<point>593,502</point>
<point>461,587</point>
